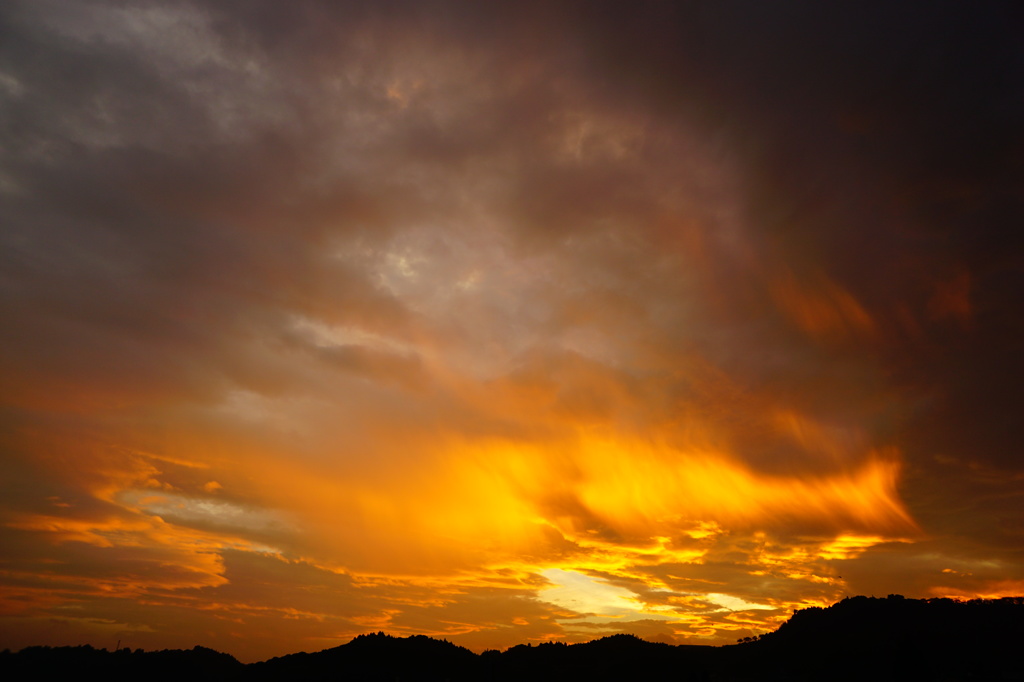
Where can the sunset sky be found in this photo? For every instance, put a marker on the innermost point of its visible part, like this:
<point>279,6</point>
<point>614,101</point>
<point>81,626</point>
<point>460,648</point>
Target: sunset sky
<point>503,322</point>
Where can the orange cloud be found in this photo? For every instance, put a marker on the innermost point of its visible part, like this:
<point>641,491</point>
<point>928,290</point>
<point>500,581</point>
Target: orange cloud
<point>400,328</point>
<point>823,309</point>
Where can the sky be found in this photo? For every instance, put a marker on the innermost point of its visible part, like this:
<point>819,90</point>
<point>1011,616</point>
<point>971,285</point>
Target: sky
<point>503,322</point>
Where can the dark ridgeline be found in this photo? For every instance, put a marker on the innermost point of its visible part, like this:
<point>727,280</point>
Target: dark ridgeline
<point>374,657</point>
<point>861,638</point>
<point>617,657</point>
<point>82,663</point>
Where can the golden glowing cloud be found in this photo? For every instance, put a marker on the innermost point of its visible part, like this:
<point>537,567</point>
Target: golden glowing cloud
<point>502,326</point>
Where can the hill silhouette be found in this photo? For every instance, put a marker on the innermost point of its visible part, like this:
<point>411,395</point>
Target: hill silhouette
<point>859,638</point>
<point>375,657</point>
<point>198,664</point>
<point>896,639</point>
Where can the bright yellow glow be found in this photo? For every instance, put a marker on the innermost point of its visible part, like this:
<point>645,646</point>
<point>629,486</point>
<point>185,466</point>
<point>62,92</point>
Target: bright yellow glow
<point>640,491</point>
<point>638,488</point>
<point>583,594</point>
<point>850,546</point>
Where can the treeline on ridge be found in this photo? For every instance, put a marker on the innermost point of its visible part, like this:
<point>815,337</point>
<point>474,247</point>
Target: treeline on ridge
<point>857,638</point>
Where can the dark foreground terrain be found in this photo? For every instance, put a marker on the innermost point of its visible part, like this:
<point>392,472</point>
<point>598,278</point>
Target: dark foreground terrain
<point>860,638</point>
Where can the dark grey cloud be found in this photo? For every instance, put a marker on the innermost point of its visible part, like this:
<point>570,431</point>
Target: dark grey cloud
<point>336,234</point>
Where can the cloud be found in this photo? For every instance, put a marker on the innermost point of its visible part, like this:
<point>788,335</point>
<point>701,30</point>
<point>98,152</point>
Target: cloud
<point>402,308</point>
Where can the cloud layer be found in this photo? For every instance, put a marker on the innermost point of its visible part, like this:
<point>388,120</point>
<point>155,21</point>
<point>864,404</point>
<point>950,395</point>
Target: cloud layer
<point>501,323</point>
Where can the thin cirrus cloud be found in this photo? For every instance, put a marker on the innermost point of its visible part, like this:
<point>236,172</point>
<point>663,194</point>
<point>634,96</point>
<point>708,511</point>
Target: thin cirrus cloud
<point>497,324</point>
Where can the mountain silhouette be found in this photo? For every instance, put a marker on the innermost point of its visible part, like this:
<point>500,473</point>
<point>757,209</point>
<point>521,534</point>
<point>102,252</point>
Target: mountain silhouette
<point>198,664</point>
<point>376,657</point>
<point>894,639</point>
<point>859,638</point>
